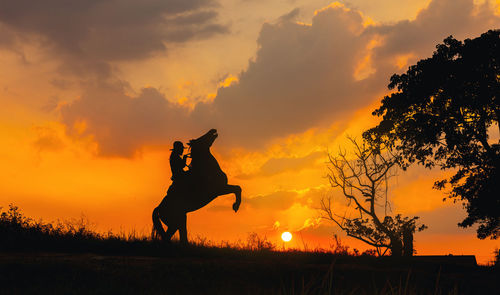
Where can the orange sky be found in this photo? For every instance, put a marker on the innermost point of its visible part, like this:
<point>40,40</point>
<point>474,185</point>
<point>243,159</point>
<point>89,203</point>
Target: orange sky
<point>93,96</point>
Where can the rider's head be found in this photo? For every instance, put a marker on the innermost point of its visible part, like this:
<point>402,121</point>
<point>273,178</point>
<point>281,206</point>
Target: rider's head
<point>178,147</point>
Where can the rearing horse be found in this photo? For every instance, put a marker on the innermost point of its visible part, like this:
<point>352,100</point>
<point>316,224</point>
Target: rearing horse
<point>206,181</point>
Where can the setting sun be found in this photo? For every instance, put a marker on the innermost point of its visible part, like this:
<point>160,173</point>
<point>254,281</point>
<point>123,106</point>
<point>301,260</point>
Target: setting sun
<point>286,236</point>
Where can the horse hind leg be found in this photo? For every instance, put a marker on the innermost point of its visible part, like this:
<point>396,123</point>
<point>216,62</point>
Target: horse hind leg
<point>170,232</point>
<point>157,227</point>
<point>183,230</point>
<point>173,224</point>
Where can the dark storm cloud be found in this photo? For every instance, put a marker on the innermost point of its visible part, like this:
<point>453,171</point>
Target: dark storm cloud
<point>106,30</point>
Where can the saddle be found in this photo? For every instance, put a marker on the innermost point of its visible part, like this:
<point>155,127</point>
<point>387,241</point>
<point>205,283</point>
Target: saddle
<point>180,182</point>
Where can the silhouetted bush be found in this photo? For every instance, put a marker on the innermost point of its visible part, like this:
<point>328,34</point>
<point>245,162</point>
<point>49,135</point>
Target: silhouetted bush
<point>255,242</point>
<point>21,233</point>
<point>496,261</point>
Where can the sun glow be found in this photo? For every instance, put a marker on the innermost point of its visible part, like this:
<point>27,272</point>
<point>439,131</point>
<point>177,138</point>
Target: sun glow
<point>286,236</point>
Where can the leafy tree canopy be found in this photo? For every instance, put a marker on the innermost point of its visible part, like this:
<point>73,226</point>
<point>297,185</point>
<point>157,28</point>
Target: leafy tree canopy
<point>444,113</point>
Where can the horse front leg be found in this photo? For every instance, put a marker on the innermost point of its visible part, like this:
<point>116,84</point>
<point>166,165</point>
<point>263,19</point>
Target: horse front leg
<point>236,190</point>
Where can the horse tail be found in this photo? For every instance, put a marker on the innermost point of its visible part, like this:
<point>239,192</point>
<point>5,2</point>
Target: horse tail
<point>158,230</point>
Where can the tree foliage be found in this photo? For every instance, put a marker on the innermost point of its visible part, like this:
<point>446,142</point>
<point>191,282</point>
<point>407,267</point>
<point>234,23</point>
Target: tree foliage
<point>364,184</point>
<point>443,113</point>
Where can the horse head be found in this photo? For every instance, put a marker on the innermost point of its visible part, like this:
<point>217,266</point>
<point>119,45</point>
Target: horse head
<point>202,144</point>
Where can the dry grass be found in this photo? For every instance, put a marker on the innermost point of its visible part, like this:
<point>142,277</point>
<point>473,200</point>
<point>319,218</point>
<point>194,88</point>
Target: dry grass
<point>31,259</point>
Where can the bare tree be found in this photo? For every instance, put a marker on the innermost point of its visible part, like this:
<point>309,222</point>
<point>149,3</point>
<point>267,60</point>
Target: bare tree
<point>364,184</point>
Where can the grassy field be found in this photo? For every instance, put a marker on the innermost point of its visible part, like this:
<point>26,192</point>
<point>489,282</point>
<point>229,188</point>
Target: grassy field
<point>40,258</point>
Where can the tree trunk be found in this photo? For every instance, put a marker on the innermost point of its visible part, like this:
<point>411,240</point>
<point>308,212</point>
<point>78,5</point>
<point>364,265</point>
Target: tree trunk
<point>396,247</point>
<point>407,243</point>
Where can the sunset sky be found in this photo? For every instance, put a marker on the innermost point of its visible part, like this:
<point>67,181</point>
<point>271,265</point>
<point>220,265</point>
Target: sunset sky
<point>94,93</point>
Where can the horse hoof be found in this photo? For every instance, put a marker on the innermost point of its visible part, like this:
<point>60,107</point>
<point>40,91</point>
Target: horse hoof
<point>236,206</point>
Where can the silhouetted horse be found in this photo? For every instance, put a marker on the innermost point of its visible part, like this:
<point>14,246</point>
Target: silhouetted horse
<point>206,181</point>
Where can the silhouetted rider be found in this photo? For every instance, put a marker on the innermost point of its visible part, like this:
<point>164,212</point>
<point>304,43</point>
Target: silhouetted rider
<point>177,163</point>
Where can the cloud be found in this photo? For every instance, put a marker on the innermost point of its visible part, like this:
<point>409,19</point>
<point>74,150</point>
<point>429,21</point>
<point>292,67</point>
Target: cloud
<point>121,123</point>
<point>276,201</point>
<point>306,75</point>
<point>444,220</point>
<point>414,193</point>
<point>279,165</point>
<point>302,76</point>
<point>284,199</point>
<point>47,139</point>
<point>92,32</point>
<point>7,38</point>
<point>442,18</point>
